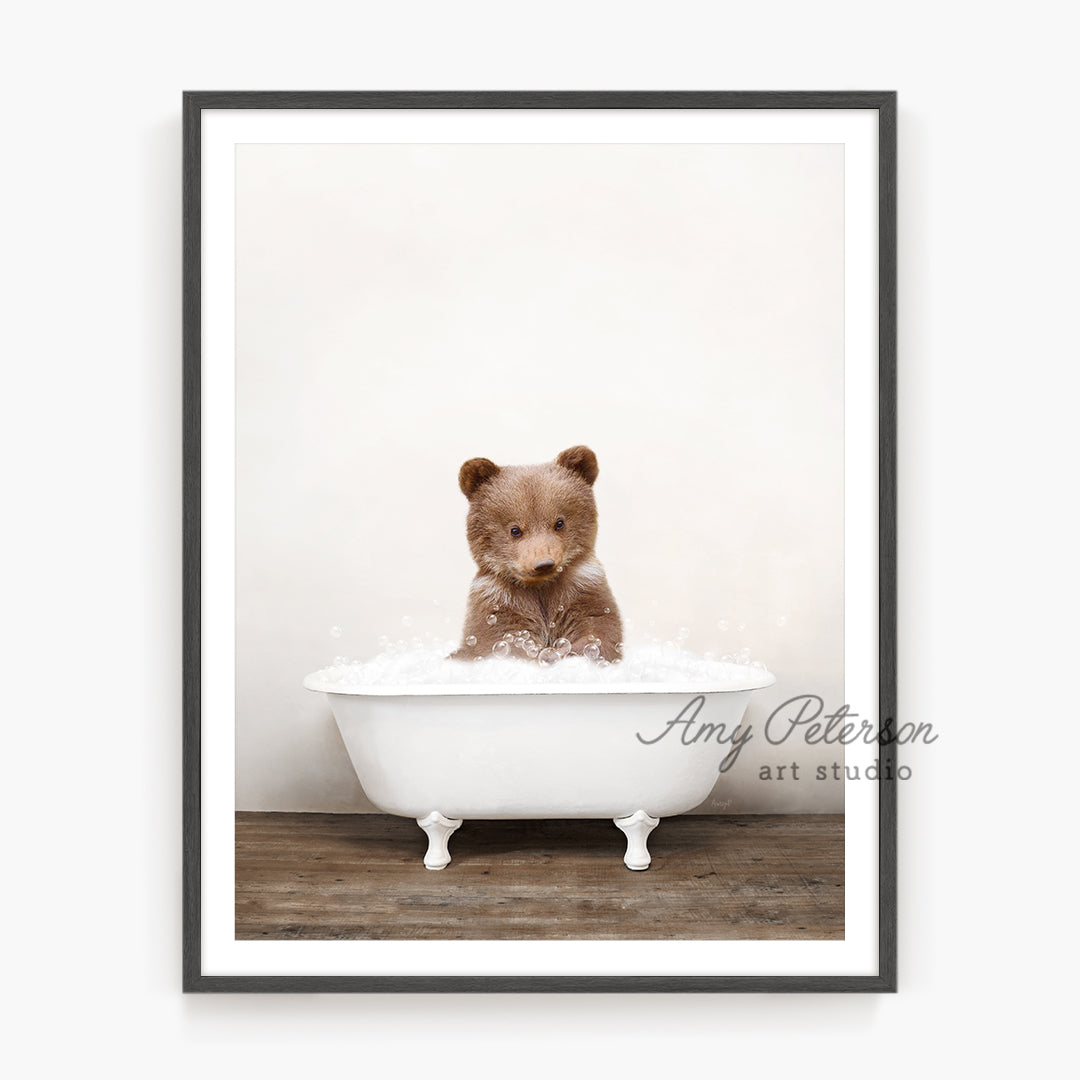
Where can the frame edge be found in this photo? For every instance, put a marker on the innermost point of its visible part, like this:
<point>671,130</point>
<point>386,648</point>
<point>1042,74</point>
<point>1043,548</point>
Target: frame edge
<point>885,102</point>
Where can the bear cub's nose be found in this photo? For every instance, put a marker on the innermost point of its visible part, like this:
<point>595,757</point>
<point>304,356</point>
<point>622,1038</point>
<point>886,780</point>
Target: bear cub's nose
<point>544,565</point>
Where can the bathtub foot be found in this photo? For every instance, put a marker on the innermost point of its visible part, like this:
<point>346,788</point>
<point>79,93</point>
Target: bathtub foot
<point>637,828</point>
<point>439,830</point>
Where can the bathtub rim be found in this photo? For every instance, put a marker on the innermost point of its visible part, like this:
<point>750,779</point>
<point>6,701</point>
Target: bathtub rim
<point>323,686</point>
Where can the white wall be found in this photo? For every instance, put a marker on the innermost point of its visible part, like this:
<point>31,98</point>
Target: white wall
<point>401,309</point>
<point>90,435</point>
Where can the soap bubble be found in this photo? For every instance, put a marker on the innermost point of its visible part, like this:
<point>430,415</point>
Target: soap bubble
<point>335,631</point>
<point>508,637</point>
<point>532,649</point>
<point>721,624</point>
<point>561,608</point>
<point>607,611</point>
<point>492,620</point>
<point>643,663</point>
<point>592,651</point>
<point>559,569</point>
<point>547,657</point>
<point>406,620</point>
<point>500,648</point>
<point>741,627</point>
<point>551,625</point>
<point>670,651</point>
<point>619,647</point>
<point>781,620</point>
<point>470,641</point>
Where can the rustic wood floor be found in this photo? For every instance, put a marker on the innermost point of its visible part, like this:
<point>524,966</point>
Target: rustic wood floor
<point>349,876</point>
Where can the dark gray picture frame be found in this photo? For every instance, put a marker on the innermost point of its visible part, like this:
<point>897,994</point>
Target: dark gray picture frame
<point>194,104</point>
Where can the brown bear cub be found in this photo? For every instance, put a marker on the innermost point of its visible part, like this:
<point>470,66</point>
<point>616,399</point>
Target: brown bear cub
<point>531,530</point>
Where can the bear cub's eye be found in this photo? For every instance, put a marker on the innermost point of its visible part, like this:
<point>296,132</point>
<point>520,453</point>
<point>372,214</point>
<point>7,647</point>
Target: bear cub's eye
<point>559,524</point>
<point>514,530</point>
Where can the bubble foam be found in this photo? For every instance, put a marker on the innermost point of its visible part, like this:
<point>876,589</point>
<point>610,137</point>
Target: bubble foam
<point>420,669</point>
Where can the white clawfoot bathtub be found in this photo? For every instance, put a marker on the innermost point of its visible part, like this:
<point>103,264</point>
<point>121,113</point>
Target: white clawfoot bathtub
<point>443,754</point>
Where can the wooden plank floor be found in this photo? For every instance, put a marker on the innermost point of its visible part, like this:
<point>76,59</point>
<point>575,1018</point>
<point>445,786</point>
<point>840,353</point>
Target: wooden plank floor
<point>351,876</point>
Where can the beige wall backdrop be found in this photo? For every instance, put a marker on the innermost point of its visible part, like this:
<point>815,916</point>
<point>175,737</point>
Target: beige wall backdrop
<point>679,308</point>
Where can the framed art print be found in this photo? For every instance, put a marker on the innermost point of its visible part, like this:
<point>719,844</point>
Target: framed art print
<point>539,542</point>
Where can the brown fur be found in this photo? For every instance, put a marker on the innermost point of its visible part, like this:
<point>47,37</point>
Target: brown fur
<point>533,498</point>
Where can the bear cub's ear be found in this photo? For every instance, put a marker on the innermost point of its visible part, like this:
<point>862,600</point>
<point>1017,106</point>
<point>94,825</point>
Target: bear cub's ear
<point>580,460</point>
<point>474,472</point>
